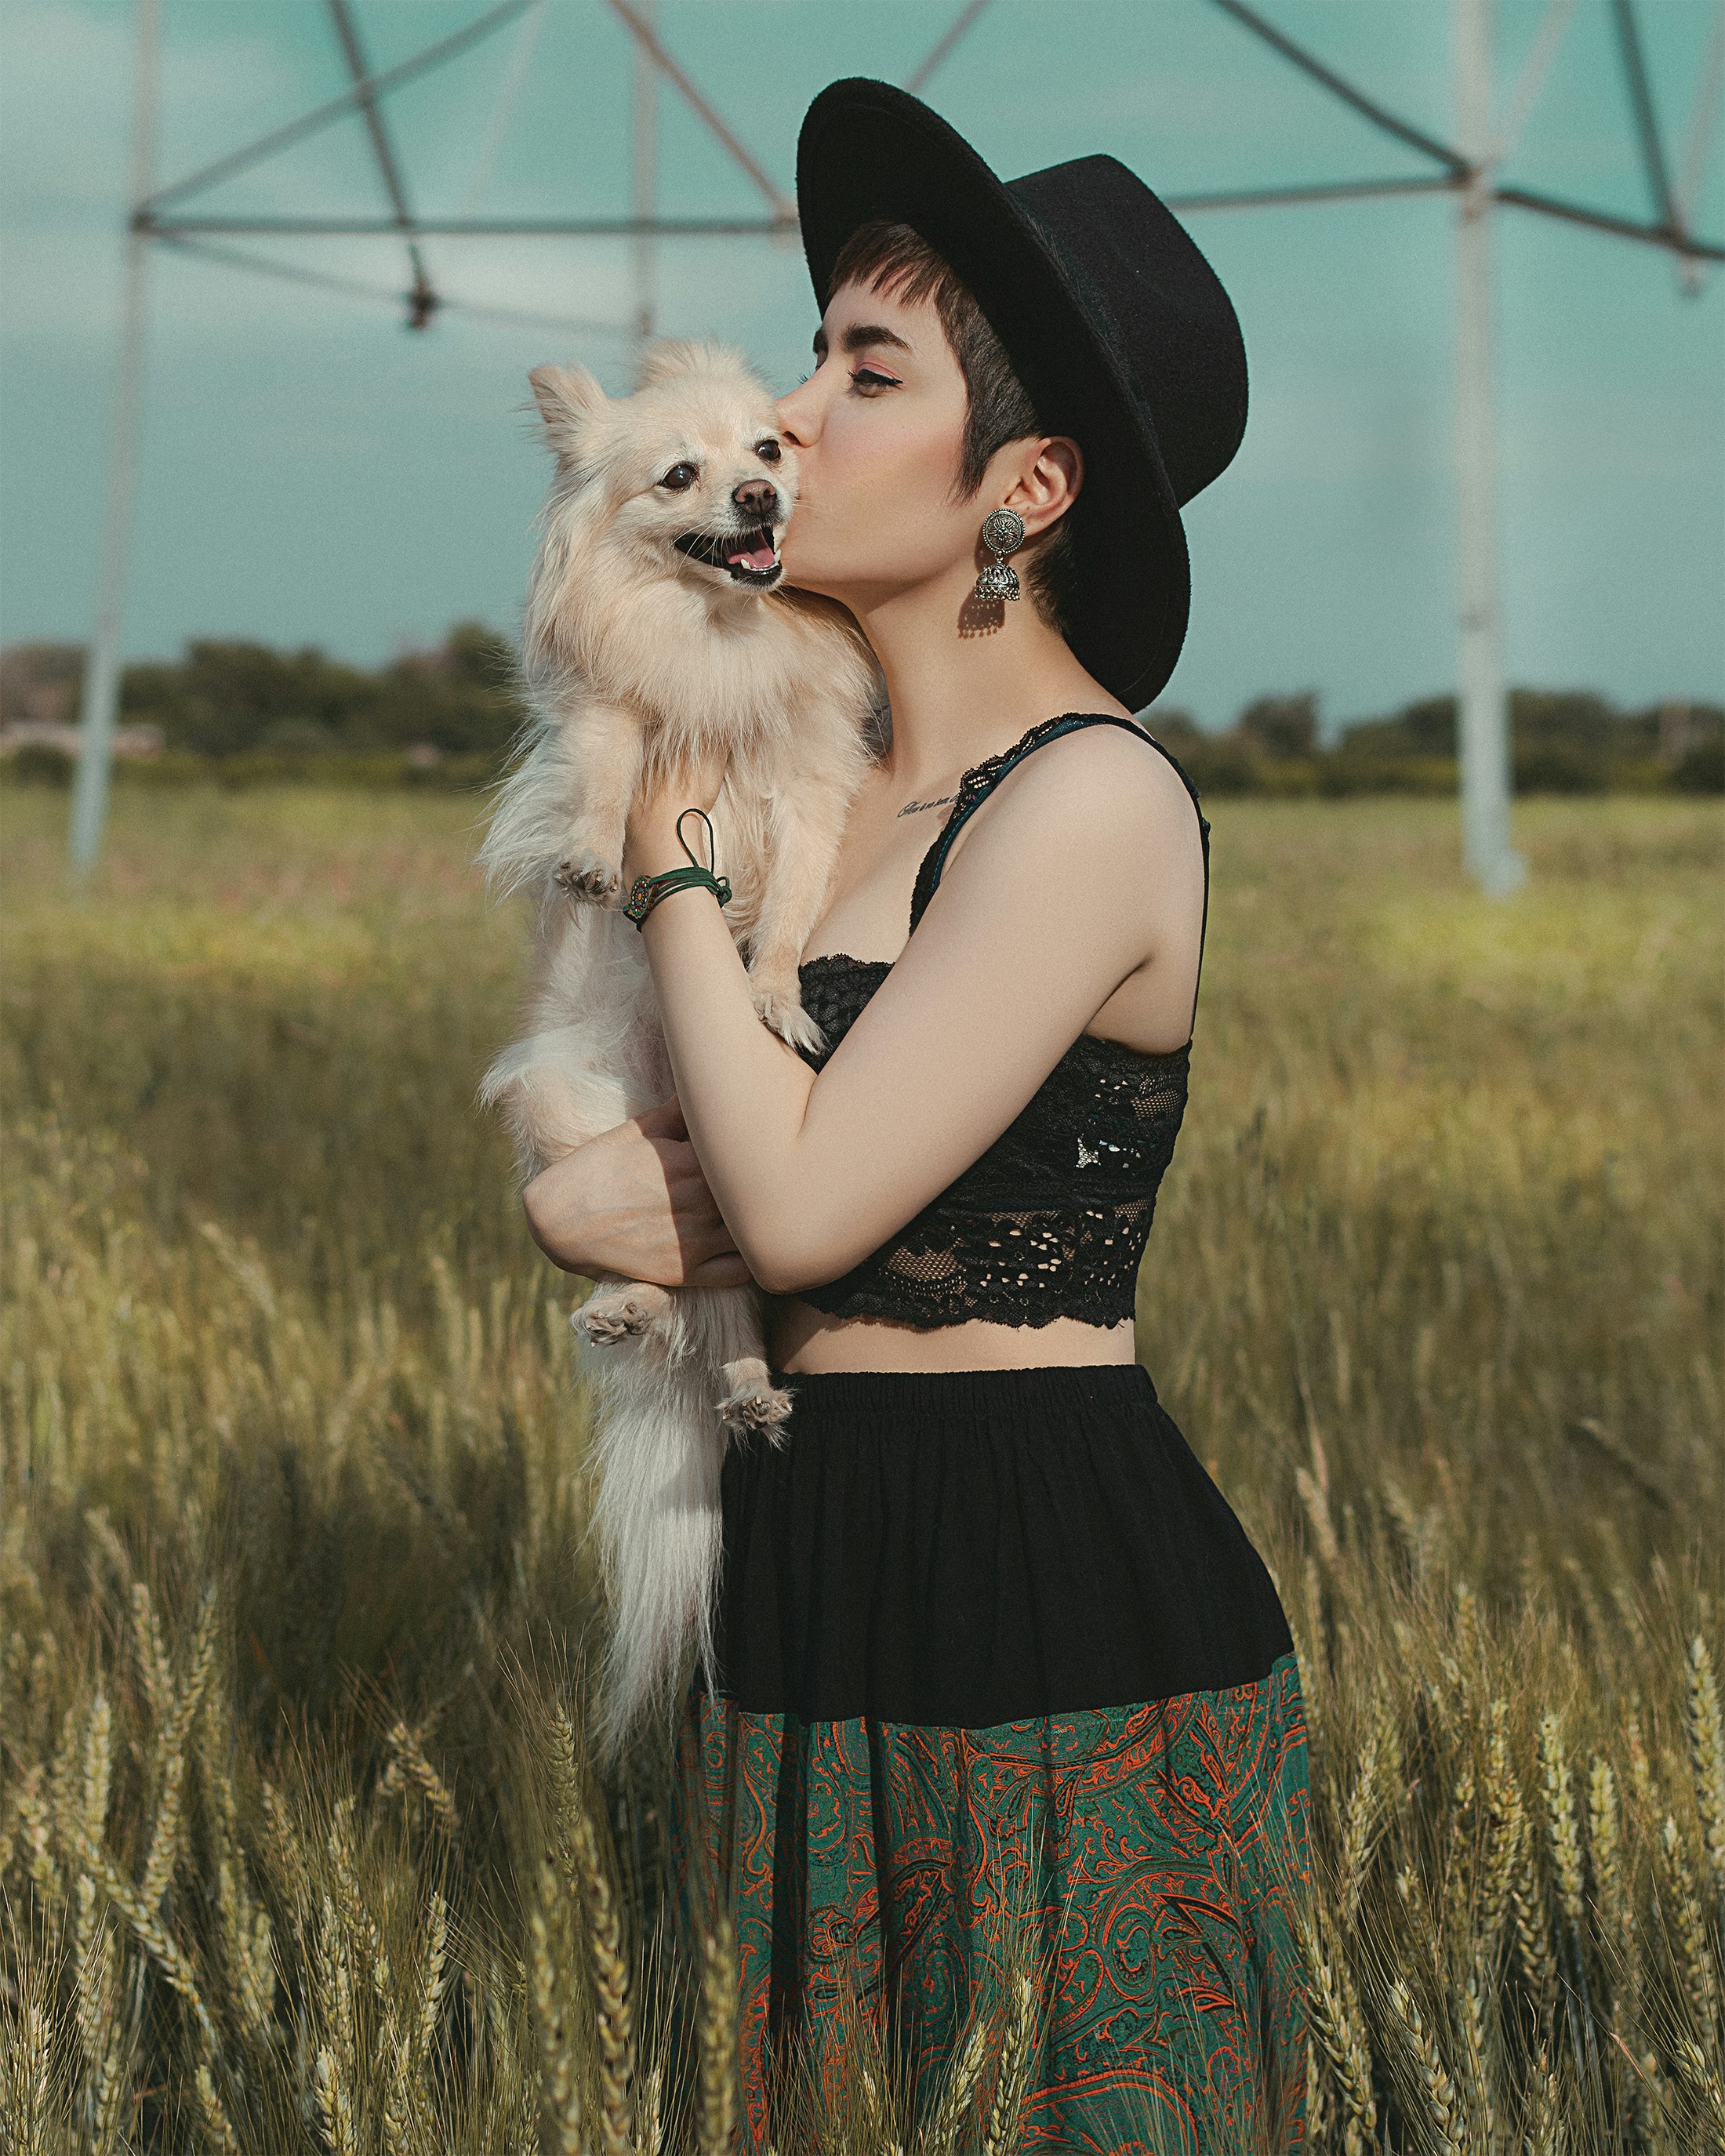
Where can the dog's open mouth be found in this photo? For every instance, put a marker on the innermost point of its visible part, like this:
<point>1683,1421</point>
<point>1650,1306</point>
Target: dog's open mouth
<point>747,557</point>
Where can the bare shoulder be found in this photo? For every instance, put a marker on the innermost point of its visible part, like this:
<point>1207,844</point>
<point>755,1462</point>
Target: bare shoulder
<point>1117,791</point>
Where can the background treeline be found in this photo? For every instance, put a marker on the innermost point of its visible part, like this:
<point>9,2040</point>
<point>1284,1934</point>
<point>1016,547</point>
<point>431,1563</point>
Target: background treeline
<point>244,713</point>
<point>1564,742</point>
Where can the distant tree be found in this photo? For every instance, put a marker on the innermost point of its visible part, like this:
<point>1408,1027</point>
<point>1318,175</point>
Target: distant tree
<point>1281,726</point>
<point>461,698</point>
<point>224,697</point>
<point>1174,728</point>
<point>1424,728</point>
<point>41,682</point>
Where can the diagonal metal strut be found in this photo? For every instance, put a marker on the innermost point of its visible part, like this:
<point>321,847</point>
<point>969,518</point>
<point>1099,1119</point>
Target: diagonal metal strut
<point>1380,116</point>
<point>784,210</point>
<point>335,108</point>
<point>1640,91</point>
<point>422,300</point>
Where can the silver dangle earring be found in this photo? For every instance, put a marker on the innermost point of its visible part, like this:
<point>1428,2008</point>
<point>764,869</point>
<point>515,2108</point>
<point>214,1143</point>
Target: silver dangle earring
<point>1002,529</point>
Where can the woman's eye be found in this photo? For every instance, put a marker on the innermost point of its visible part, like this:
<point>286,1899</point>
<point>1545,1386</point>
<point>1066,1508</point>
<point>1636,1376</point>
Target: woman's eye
<point>865,377</point>
<point>768,451</point>
<point>679,477</point>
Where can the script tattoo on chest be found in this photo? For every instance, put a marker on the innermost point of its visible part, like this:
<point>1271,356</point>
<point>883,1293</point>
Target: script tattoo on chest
<point>911,806</point>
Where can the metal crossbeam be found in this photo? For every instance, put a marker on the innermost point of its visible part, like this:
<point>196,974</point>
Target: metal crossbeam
<point>474,227</point>
<point>1604,220</point>
<point>1471,172</point>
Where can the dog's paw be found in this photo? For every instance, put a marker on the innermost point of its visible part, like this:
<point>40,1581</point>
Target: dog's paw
<point>782,1010</point>
<point>611,1314</point>
<point>753,1402</point>
<point>586,874</point>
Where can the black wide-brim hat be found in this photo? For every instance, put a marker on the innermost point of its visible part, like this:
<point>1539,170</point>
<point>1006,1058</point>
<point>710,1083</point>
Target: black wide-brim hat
<point>1117,325</point>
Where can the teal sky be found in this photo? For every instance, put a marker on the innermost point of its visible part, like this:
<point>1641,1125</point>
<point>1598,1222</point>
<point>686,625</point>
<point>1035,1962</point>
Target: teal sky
<point>311,473</point>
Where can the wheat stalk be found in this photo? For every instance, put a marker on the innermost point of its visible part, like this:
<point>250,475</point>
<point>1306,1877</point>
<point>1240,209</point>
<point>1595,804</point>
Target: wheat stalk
<point>617,2047</point>
<point>431,1977</point>
<point>1699,1979</point>
<point>98,1766</point>
<point>1506,1823</point>
<point>649,2127</point>
<point>155,1671</point>
<point>407,1764</point>
<point>99,2014</point>
<point>152,1935</point>
<point>957,2098</point>
<point>1563,1839</point>
<point>217,2128</point>
<point>26,2061</point>
<point>1443,2105</point>
<point>1703,2077</point>
<point>1012,2079</point>
<point>715,2039</point>
<point>1478,2049</point>
<point>1707,1761</point>
<point>549,1930</point>
<point>1334,2012</point>
<point>334,2108</point>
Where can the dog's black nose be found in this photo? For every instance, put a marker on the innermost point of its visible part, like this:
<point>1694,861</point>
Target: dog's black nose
<point>757,498</point>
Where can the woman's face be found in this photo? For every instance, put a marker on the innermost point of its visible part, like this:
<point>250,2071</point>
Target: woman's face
<point>878,426</point>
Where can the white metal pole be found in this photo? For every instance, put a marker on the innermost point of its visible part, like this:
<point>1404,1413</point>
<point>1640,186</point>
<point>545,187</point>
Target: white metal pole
<point>646,201</point>
<point>1484,732</point>
<point>101,672</point>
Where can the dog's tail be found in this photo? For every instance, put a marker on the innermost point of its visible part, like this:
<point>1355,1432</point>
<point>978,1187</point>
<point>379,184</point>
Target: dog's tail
<point>658,1445</point>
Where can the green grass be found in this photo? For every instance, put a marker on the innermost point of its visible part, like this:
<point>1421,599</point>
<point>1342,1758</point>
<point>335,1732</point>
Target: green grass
<point>1435,1290</point>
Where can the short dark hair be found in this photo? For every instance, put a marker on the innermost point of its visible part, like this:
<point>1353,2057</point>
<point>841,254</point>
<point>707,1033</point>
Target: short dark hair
<point>897,259</point>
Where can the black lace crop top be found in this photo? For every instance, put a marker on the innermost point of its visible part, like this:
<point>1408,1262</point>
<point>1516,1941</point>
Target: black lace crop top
<point>1051,1221</point>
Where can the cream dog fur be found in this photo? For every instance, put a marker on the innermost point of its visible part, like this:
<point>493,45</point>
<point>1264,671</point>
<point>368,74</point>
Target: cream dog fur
<point>653,630</point>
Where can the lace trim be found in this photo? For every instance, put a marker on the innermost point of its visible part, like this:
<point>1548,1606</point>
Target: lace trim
<point>1051,1221</point>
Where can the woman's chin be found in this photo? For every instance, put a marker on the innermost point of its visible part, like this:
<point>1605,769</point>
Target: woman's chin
<point>807,577</point>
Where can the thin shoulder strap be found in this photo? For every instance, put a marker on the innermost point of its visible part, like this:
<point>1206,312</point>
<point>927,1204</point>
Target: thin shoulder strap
<point>981,780</point>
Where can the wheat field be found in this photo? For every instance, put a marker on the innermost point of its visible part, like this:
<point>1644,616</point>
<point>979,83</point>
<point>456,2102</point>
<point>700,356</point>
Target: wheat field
<point>299,1845</point>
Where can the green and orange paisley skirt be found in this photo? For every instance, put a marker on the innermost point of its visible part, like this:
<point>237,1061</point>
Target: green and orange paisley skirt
<point>1005,1691</point>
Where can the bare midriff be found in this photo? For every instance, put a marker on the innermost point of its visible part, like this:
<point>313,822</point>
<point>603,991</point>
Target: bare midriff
<point>801,1337</point>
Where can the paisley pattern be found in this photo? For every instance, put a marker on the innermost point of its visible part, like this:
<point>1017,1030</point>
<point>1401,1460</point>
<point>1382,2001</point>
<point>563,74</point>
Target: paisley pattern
<point>1152,1851</point>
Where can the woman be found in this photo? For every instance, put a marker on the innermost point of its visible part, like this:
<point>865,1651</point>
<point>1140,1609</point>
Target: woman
<point>991,1640</point>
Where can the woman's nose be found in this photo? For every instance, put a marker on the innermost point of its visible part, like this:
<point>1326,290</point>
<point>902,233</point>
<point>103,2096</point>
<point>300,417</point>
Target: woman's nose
<point>797,416</point>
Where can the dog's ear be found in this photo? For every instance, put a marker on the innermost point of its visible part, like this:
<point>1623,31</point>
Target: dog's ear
<point>671,357</point>
<point>568,398</point>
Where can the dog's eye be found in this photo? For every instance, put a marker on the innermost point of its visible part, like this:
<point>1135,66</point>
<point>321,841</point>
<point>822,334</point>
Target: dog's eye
<point>768,451</point>
<point>680,477</point>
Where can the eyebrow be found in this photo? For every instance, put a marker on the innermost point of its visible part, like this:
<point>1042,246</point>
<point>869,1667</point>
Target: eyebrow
<point>859,336</point>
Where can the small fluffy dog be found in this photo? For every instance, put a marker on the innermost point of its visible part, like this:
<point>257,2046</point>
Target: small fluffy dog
<point>653,630</point>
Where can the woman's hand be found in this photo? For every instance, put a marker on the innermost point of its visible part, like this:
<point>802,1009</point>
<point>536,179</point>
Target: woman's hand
<point>634,1201</point>
<point>650,842</point>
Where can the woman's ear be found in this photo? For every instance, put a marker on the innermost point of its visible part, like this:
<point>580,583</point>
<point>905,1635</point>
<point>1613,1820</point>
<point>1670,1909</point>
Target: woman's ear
<point>1048,483</point>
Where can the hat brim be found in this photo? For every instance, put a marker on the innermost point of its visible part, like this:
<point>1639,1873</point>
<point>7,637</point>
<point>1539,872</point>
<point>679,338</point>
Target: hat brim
<point>868,150</point>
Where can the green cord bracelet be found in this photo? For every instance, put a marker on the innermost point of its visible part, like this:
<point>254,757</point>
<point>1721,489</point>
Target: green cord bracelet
<point>646,891</point>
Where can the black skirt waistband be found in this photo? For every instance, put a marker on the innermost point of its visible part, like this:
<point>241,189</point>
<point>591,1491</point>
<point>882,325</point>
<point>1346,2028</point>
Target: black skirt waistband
<point>966,1547</point>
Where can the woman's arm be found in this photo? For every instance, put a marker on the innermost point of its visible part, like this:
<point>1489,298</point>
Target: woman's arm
<point>634,1201</point>
<point>1083,865</point>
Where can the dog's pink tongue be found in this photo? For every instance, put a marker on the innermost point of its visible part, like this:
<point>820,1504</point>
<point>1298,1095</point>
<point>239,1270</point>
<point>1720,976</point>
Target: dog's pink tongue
<point>751,557</point>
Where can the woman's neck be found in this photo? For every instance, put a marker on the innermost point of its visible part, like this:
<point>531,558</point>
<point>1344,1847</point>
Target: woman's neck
<point>963,683</point>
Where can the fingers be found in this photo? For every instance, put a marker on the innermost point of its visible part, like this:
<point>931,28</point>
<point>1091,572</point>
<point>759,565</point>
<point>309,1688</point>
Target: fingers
<point>664,1120</point>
